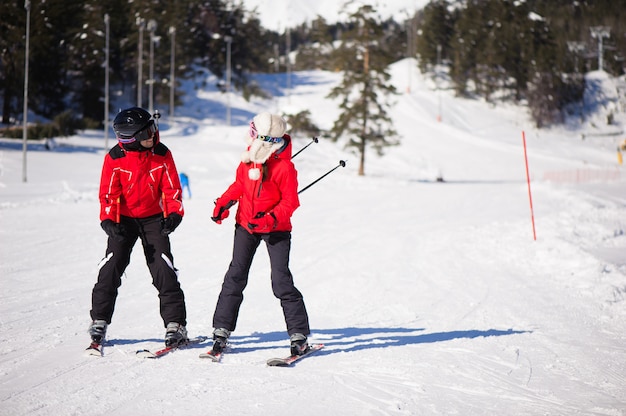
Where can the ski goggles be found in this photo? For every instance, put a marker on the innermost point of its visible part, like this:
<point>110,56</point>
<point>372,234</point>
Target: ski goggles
<point>254,134</point>
<point>145,133</point>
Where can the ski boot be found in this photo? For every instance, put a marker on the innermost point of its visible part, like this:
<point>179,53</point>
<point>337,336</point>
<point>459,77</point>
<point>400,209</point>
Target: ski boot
<point>175,335</point>
<point>98,331</point>
<point>299,344</point>
<point>220,338</point>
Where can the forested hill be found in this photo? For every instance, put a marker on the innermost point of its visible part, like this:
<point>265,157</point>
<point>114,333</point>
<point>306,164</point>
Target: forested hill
<point>530,51</point>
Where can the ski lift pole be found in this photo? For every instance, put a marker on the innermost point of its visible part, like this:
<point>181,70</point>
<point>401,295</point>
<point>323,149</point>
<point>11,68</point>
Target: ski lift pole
<point>314,140</point>
<point>342,163</point>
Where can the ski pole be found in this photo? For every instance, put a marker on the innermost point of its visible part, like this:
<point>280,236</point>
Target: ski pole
<point>164,205</point>
<point>314,140</point>
<point>117,211</point>
<point>342,163</point>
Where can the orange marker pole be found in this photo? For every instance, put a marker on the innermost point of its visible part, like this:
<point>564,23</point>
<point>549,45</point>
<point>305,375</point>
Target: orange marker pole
<point>530,197</point>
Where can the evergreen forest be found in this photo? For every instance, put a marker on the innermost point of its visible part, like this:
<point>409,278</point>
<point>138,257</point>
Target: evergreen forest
<point>530,51</point>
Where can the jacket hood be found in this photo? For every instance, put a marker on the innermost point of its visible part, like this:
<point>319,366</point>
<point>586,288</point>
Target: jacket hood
<point>284,152</point>
<point>260,151</point>
<point>280,150</point>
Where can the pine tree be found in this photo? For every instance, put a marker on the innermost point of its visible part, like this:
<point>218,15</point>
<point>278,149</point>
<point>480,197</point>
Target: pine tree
<point>49,81</point>
<point>314,52</point>
<point>85,50</point>
<point>12,34</point>
<point>364,88</point>
<point>436,30</point>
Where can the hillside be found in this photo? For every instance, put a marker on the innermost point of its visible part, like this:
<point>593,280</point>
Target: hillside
<point>432,298</point>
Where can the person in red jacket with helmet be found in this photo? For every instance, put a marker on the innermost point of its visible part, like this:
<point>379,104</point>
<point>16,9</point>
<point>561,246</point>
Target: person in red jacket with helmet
<point>266,188</point>
<point>140,198</point>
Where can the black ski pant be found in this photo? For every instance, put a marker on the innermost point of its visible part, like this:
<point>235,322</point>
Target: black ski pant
<point>156,248</point>
<point>236,279</point>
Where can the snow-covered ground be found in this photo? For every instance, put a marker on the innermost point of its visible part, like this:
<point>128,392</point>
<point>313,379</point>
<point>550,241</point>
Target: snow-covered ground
<point>432,298</point>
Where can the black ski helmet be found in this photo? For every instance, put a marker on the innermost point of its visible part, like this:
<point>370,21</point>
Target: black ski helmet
<point>130,121</point>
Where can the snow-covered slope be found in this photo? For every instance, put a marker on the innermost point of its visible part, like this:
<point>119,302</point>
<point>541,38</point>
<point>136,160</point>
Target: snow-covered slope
<point>432,297</point>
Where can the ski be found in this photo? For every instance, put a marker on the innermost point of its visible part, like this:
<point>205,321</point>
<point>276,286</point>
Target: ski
<point>216,357</point>
<point>95,349</point>
<point>164,351</point>
<point>292,359</point>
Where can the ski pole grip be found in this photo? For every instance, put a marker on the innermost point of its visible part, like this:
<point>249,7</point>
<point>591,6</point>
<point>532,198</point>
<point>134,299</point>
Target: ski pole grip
<point>164,205</point>
<point>226,207</point>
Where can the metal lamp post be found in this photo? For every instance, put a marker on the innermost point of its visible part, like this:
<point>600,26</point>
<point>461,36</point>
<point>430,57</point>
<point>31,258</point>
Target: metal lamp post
<point>172,71</point>
<point>288,63</point>
<point>106,83</point>
<point>229,41</point>
<point>600,32</point>
<point>577,48</point>
<point>438,82</point>
<point>25,128</point>
<point>152,25</point>
<point>141,22</point>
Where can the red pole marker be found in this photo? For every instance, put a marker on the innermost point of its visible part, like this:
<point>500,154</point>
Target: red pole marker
<point>530,197</point>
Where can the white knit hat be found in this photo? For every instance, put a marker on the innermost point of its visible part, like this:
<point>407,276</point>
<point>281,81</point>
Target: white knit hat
<point>265,137</point>
<point>267,124</point>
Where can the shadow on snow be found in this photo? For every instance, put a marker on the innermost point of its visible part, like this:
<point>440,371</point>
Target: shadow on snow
<point>358,339</point>
<point>340,339</point>
<point>42,146</point>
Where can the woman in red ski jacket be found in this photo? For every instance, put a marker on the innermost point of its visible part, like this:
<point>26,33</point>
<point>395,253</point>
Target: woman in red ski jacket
<point>266,189</point>
<point>275,194</point>
<point>140,198</point>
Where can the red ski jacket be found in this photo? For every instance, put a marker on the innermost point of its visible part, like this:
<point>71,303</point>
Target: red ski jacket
<point>139,184</point>
<point>276,192</point>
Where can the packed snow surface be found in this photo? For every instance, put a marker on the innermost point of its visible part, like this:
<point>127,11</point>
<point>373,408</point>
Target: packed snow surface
<point>423,278</point>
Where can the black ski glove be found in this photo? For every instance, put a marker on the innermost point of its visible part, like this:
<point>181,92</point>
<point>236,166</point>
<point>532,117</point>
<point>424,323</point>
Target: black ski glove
<point>114,230</point>
<point>169,223</point>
